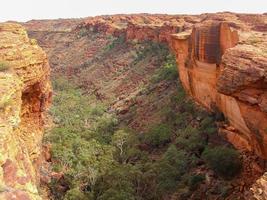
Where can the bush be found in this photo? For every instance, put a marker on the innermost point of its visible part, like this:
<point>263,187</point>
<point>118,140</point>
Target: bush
<point>118,41</point>
<point>171,168</point>
<point>168,71</point>
<point>224,161</point>
<point>116,184</point>
<point>75,194</point>
<point>208,126</point>
<point>152,48</point>
<point>195,180</point>
<point>4,67</point>
<point>158,135</point>
<point>83,32</point>
<point>190,139</point>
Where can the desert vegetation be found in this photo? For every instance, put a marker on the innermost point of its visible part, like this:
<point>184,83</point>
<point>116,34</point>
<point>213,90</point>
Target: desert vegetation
<point>4,66</point>
<point>102,158</point>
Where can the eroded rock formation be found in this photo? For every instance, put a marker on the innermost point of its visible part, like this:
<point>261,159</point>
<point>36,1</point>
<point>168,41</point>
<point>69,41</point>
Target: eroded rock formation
<point>224,76</point>
<point>25,93</point>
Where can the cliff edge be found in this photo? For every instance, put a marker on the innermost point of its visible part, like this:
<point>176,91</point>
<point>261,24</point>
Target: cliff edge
<point>25,93</point>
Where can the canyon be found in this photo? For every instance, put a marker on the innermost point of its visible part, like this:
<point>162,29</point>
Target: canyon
<point>221,69</point>
<point>221,59</point>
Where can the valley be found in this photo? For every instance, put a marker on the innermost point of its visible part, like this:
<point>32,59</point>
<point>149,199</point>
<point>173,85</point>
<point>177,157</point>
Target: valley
<point>148,107</point>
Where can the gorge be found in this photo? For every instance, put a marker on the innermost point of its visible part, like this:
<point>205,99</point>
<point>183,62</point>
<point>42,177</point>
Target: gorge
<point>221,61</point>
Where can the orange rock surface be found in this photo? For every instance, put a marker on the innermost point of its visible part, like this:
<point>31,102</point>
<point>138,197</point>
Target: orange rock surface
<point>223,75</point>
<point>25,93</point>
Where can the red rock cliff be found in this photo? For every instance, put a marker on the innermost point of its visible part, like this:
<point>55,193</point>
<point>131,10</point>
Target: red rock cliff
<point>231,78</point>
<point>25,94</point>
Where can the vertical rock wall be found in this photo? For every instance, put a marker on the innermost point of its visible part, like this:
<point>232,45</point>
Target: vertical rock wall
<point>25,93</point>
<point>224,76</point>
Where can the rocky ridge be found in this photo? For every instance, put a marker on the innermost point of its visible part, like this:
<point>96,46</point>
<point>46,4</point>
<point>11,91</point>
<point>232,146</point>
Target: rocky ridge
<point>25,93</point>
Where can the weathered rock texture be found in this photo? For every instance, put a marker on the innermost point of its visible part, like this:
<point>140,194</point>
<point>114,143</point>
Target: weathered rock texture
<point>260,188</point>
<point>224,76</point>
<point>222,62</point>
<point>25,94</point>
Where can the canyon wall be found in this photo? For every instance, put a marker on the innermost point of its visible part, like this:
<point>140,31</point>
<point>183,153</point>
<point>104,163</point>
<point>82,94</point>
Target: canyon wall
<point>25,93</point>
<point>221,62</point>
<point>226,77</point>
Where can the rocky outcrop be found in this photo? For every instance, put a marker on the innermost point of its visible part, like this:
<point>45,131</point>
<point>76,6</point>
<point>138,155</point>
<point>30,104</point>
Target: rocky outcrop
<point>226,77</point>
<point>156,33</point>
<point>25,94</point>
<point>259,189</point>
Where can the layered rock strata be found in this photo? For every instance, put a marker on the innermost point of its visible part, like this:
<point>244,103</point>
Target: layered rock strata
<point>225,76</point>
<point>25,93</point>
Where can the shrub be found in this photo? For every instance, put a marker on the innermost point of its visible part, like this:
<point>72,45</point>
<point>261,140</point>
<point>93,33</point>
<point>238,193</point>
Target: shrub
<point>158,135</point>
<point>118,41</point>
<point>116,184</point>
<point>171,168</point>
<point>207,126</point>
<point>168,71</point>
<point>223,160</point>
<point>152,48</point>
<point>62,84</point>
<point>105,127</point>
<point>4,67</point>
<point>75,194</point>
<point>190,139</point>
<point>176,158</point>
<point>195,180</point>
<point>82,32</point>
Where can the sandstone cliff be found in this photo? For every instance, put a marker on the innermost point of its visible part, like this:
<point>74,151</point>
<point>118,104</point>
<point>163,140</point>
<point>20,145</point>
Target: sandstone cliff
<point>221,62</point>
<point>25,94</point>
<point>223,75</point>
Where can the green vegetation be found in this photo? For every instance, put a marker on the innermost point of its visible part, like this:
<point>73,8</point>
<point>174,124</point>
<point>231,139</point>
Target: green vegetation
<point>80,141</point>
<point>103,160</point>
<point>152,48</point>
<point>168,71</point>
<point>116,42</point>
<point>158,135</point>
<point>223,160</point>
<point>83,32</point>
<point>171,168</point>
<point>195,181</point>
<point>4,67</point>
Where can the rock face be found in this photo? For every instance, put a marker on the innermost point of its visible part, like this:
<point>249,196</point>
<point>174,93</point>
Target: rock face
<point>25,93</point>
<point>260,188</point>
<point>230,78</point>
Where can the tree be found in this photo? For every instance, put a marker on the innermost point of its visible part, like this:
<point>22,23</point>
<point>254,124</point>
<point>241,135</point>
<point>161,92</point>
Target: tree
<point>223,160</point>
<point>119,140</point>
<point>158,135</point>
<point>75,194</point>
